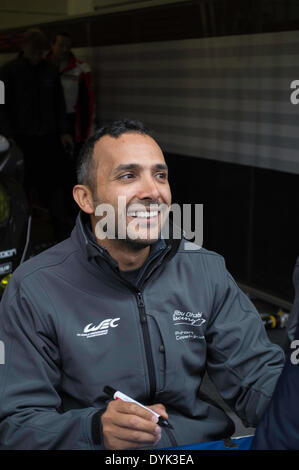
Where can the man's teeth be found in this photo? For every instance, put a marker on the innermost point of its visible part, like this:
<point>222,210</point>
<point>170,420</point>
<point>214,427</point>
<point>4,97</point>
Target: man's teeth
<point>143,214</point>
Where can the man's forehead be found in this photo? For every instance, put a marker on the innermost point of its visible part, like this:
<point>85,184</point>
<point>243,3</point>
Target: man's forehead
<point>127,148</point>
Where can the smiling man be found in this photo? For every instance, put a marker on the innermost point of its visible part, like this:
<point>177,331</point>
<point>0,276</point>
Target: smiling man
<point>120,306</point>
<point>132,180</point>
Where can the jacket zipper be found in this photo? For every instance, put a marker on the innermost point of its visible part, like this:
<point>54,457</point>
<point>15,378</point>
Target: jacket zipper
<point>150,360</point>
<point>147,345</point>
<point>171,437</point>
<point>145,331</point>
<point>142,314</point>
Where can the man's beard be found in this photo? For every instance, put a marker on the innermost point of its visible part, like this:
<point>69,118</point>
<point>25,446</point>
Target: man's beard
<point>137,243</point>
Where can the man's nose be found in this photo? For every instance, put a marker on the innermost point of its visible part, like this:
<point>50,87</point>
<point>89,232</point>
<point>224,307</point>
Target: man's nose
<point>148,189</point>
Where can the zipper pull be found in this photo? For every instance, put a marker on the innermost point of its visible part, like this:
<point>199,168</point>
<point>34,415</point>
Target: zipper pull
<point>140,299</point>
<point>141,308</point>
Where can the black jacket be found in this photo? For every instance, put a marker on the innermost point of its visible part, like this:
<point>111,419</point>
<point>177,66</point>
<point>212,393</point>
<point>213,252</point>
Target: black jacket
<point>34,100</point>
<point>279,426</point>
<point>71,325</point>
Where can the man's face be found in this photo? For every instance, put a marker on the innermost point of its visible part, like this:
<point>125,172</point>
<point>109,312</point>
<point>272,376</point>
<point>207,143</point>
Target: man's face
<point>133,166</point>
<point>33,53</point>
<point>62,47</point>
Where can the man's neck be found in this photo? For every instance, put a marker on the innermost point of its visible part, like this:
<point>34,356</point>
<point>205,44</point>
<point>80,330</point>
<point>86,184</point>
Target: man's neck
<point>127,255</point>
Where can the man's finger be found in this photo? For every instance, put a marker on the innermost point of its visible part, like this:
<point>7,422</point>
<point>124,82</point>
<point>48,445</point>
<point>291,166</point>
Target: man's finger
<point>134,409</point>
<point>160,409</point>
<point>133,422</point>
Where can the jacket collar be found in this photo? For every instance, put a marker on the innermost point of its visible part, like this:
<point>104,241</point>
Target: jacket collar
<point>83,236</point>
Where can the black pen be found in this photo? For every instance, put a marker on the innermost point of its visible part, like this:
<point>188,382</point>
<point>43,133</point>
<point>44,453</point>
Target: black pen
<point>117,395</point>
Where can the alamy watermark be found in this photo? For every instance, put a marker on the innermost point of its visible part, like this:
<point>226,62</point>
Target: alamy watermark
<point>2,353</point>
<point>294,358</point>
<point>294,98</point>
<point>2,92</point>
<point>138,222</point>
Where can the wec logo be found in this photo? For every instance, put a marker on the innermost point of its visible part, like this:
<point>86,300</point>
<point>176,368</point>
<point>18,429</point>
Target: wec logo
<point>101,329</point>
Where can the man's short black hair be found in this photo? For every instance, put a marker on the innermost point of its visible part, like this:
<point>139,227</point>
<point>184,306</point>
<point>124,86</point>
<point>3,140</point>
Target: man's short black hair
<point>36,38</point>
<point>86,166</point>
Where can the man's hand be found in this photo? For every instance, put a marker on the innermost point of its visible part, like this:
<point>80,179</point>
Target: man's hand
<point>129,426</point>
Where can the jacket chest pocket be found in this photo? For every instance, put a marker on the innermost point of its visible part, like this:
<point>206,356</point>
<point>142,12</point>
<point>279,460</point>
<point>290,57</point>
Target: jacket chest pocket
<point>178,348</point>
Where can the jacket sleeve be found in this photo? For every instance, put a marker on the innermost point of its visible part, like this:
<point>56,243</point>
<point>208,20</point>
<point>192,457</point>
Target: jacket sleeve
<point>278,428</point>
<point>31,416</point>
<point>241,360</point>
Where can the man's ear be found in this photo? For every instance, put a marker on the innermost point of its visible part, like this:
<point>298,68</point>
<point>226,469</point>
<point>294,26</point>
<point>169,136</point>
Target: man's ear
<point>83,197</point>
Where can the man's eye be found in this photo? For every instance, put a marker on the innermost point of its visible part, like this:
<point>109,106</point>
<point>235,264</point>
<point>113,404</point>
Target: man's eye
<point>162,175</point>
<point>127,176</point>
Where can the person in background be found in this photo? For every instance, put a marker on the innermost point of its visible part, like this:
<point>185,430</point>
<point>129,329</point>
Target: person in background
<point>80,105</point>
<point>278,428</point>
<point>34,116</point>
<point>77,86</point>
<point>294,313</point>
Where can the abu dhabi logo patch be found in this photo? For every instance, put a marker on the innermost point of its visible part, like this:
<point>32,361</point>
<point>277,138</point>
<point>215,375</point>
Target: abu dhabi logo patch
<point>91,330</point>
<point>190,319</point>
